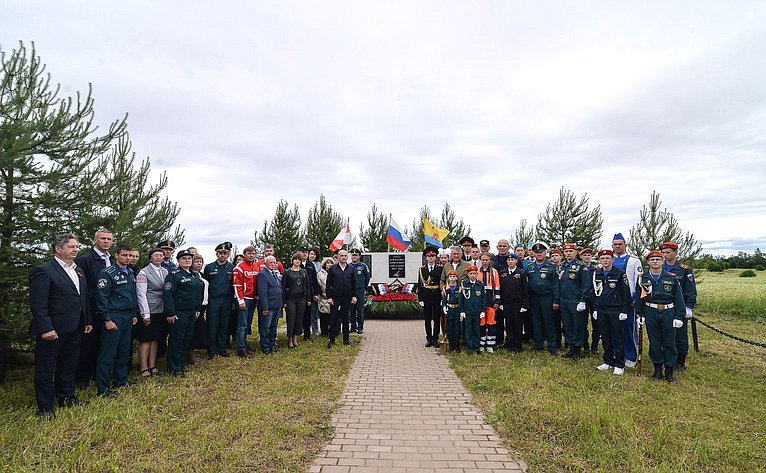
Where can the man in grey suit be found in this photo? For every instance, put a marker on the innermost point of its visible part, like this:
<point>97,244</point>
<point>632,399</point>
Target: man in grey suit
<point>270,303</point>
<point>58,299</point>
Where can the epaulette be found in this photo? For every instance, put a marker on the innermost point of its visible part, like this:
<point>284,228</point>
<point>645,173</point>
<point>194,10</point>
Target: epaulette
<point>110,269</point>
<point>175,271</point>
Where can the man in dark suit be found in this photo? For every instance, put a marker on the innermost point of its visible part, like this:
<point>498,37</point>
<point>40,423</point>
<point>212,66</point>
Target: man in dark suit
<point>270,303</point>
<point>91,262</point>
<point>430,296</point>
<point>58,300</point>
<point>341,294</point>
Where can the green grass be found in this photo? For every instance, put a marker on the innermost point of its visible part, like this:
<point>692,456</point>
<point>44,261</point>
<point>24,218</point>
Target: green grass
<point>727,294</point>
<point>267,414</point>
<point>565,416</point>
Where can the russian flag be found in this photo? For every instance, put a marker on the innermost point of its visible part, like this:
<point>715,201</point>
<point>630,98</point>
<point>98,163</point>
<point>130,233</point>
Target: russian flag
<point>395,237</point>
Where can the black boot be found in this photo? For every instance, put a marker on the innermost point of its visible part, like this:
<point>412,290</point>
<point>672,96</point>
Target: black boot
<point>669,375</point>
<point>681,363</point>
<point>569,353</point>
<point>576,354</point>
<point>657,371</point>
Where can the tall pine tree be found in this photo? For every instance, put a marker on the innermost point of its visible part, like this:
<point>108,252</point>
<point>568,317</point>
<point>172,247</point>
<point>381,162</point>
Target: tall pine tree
<point>656,226</point>
<point>524,235</point>
<point>373,237</point>
<point>455,226</point>
<point>283,231</point>
<point>322,224</point>
<point>416,233</point>
<point>569,220</point>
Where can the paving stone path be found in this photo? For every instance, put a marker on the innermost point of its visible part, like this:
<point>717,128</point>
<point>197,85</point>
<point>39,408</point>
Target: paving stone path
<point>394,417</point>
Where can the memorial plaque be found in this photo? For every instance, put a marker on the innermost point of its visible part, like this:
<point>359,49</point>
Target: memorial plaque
<point>396,265</point>
<point>367,259</point>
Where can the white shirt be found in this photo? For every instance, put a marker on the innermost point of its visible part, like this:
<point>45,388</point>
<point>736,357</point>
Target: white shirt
<point>104,256</point>
<point>70,271</point>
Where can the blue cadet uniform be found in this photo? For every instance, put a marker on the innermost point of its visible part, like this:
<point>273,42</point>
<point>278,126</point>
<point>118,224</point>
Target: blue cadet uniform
<point>116,301</point>
<point>220,299</point>
<point>362,276</point>
<point>661,303</point>
<point>574,287</point>
<point>685,277</point>
<point>543,293</point>
<point>611,297</point>
<point>472,302</point>
<point>183,300</point>
<point>451,303</point>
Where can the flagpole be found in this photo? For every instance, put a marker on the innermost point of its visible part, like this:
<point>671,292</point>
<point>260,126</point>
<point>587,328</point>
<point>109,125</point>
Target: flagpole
<point>388,245</point>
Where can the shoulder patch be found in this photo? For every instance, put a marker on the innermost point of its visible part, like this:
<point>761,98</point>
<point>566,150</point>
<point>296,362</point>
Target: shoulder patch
<point>101,283</point>
<point>168,285</point>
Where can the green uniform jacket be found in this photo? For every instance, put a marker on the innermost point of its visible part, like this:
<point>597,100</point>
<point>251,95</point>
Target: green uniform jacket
<point>219,276</point>
<point>115,290</point>
<point>665,291</point>
<point>544,280</point>
<point>685,278</point>
<point>183,292</point>
<point>473,297</point>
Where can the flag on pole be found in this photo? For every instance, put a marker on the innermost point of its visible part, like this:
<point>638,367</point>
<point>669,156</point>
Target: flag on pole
<point>432,234</point>
<point>343,238</point>
<point>395,237</point>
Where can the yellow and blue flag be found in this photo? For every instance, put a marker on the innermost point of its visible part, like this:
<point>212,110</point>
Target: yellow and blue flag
<point>432,234</point>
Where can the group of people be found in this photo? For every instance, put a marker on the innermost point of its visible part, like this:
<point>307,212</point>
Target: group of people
<point>489,301</point>
<point>87,309</point>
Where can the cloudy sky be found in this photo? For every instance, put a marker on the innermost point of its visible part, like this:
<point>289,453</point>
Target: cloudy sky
<point>492,106</point>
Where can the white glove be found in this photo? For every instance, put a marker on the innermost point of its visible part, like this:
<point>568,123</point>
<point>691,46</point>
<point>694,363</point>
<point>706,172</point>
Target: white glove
<point>444,309</point>
<point>422,304</point>
<point>623,316</point>
<point>581,307</point>
<point>688,313</point>
<point>522,310</point>
<point>595,315</point>
<point>481,316</point>
<point>501,307</point>
<point>677,323</point>
<point>640,321</point>
<point>462,316</point>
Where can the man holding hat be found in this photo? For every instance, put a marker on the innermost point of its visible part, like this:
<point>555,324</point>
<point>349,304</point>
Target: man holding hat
<point>685,277</point>
<point>632,268</point>
<point>168,247</point>
<point>574,283</point>
<point>543,298</point>
<point>219,275</point>
<point>611,304</point>
<point>429,295</point>
<point>661,306</point>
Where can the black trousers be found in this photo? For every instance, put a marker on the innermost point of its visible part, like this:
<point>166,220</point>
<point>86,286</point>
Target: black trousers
<point>514,321</point>
<point>557,326</point>
<point>55,367</point>
<point>307,320</point>
<point>432,317</point>
<point>89,348</point>
<point>339,312</point>
<point>528,333</point>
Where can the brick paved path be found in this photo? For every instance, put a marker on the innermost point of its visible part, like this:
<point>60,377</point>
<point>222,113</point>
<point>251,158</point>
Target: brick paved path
<point>391,421</point>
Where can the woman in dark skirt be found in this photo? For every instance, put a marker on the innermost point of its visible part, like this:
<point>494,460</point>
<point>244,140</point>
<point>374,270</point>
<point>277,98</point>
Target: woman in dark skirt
<point>200,338</point>
<point>152,327</point>
<point>297,296</point>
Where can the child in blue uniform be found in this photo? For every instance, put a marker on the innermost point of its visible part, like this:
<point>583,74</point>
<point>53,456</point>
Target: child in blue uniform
<point>472,304</point>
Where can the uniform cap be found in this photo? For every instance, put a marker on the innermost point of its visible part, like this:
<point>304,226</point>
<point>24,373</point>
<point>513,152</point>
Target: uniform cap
<point>183,253</point>
<point>570,246</point>
<point>354,251</point>
<point>537,247</point>
<point>467,239</point>
<point>225,246</point>
<point>471,268</point>
<point>605,252</point>
<point>484,243</point>
<point>669,244</point>
<point>167,245</point>
<point>305,248</point>
<point>512,255</point>
<point>430,250</point>
<point>618,236</point>
<point>654,254</point>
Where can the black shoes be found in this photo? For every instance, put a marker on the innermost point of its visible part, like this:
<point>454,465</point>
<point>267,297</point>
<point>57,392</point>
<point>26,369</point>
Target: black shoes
<point>429,344</point>
<point>223,354</point>
<point>46,414</point>
<point>681,363</point>
<point>330,344</point>
<point>669,375</point>
<point>569,353</point>
<point>71,401</point>
<point>244,354</point>
<point>657,371</point>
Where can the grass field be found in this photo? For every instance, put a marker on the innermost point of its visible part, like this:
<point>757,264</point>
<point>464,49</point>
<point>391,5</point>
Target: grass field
<point>267,414</point>
<point>726,294</point>
<point>565,416</point>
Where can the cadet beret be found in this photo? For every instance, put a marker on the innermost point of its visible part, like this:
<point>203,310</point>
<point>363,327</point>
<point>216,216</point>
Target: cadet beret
<point>538,247</point>
<point>471,268</point>
<point>467,239</point>
<point>512,255</point>
<point>167,245</point>
<point>484,243</point>
<point>430,250</point>
<point>556,251</point>
<point>570,246</point>
<point>669,244</point>
<point>225,246</point>
<point>605,252</point>
<point>586,251</point>
<point>451,272</point>
<point>654,254</point>
<point>183,253</point>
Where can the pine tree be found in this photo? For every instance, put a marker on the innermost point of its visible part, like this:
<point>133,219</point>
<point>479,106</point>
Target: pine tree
<point>284,232</point>
<point>570,221</point>
<point>322,224</point>
<point>373,237</point>
<point>48,147</point>
<point>456,228</point>
<point>523,235</point>
<point>656,226</point>
<point>416,233</point>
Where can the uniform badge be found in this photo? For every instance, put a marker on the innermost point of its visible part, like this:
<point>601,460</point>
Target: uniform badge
<point>478,293</point>
<point>168,285</point>
<point>690,276</point>
<point>647,287</point>
<point>298,282</point>
<point>572,275</point>
<point>668,287</point>
<point>517,276</point>
<point>542,275</point>
<point>102,283</point>
<point>612,285</point>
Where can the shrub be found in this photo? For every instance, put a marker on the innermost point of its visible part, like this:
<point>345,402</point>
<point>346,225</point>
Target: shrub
<point>748,273</point>
<point>759,267</point>
<point>715,267</point>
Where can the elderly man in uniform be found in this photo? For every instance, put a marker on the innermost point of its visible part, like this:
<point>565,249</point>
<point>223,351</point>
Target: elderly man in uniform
<point>632,268</point>
<point>429,296</point>
<point>685,277</point>
<point>543,298</point>
<point>219,275</point>
<point>611,304</point>
<point>661,307</point>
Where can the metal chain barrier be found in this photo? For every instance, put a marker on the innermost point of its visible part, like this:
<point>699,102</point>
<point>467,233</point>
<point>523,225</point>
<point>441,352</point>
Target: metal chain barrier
<point>739,339</point>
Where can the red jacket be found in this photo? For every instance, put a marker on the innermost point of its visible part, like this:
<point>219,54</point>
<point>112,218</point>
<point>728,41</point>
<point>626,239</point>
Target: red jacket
<point>244,280</point>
